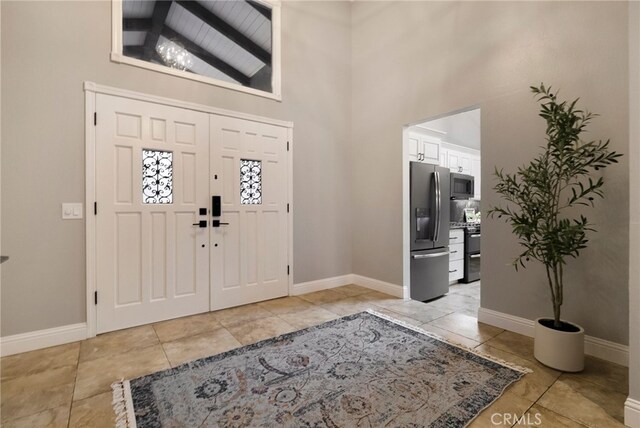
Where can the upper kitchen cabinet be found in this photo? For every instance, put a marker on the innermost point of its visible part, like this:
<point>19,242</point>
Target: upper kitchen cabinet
<point>475,171</point>
<point>424,148</point>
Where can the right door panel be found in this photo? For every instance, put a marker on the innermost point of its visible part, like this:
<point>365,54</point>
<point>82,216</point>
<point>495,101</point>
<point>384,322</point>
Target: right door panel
<point>250,172</point>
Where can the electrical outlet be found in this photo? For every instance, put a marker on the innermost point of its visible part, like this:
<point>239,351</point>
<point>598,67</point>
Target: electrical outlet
<point>71,211</point>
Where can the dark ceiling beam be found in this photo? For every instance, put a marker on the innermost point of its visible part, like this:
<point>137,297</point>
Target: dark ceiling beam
<point>206,56</point>
<point>261,8</point>
<point>160,12</point>
<point>229,31</point>
<point>137,24</point>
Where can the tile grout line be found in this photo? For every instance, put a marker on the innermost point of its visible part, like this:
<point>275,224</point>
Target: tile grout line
<point>598,385</point>
<point>75,383</point>
<point>162,346</point>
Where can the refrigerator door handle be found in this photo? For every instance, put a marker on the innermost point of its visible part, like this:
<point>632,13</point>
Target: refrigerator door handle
<point>436,232</point>
<point>474,256</point>
<point>429,256</point>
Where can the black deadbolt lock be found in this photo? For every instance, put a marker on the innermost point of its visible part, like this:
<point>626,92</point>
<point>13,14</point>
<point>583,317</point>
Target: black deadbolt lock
<point>216,206</point>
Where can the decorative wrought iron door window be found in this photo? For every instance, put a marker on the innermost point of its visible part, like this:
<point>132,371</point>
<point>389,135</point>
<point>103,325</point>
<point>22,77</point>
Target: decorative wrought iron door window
<point>250,182</point>
<point>157,177</point>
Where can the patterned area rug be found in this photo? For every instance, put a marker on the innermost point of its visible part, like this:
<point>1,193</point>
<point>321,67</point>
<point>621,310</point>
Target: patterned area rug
<point>362,370</point>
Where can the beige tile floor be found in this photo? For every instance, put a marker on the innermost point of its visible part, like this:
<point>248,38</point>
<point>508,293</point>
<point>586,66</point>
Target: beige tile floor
<point>68,385</point>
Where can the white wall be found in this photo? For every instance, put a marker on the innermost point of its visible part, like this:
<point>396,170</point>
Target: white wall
<point>634,200</point>
<point>463,129</point>
<point>437,57</point>
<point>49,48</point>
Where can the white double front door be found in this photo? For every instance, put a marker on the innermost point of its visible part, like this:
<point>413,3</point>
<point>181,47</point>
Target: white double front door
<point>159,172</point>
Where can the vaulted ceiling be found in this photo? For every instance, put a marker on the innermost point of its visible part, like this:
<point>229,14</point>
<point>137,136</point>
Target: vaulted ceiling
<point>227,40</point>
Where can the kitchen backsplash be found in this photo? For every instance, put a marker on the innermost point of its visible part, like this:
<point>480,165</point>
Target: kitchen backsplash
<point>458,206</point>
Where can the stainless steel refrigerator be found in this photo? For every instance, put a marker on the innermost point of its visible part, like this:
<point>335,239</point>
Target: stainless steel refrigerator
<point>429,194</point>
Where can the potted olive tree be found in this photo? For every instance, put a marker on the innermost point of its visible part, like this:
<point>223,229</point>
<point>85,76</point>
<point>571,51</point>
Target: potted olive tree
<point>541,198</point>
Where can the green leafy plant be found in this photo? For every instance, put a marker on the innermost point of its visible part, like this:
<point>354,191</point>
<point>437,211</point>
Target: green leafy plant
<point>541,195</point>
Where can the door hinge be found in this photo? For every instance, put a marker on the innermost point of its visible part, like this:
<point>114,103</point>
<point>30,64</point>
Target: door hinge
<point>287,146</point>
<point>95,118</point>
<point>95,297</point>
<point>95,208</point>
<point>288,270</point>
<point>287,207</point>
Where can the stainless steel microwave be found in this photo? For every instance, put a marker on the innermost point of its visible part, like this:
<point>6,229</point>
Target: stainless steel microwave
<point>461,186</point>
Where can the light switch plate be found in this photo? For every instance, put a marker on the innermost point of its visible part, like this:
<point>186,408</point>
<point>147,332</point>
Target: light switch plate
<point>71,211</point>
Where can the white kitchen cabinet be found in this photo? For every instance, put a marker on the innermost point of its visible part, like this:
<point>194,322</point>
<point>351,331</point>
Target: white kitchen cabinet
<point>423,148</point>
<point>475,171</point>
<point>459,162</point>
<point>456,254</point>
<point>413,141</point>
<point>444,153</point>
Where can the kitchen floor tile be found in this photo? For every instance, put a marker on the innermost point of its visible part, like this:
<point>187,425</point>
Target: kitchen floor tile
<point>200,346</point>
<point>38,361</point>
<point>34,393</point>
<point>508,405</point>
<point>450,336</point>
<point>467,326</point>
<point>565,400</point>
<point>244,313</point>
<point>286,305</point>
<point>255,331</point>
<point>514,343</point>
<point>97,375</point>
<point>309,317</point>
<point>50,418</point>
<point>94,412</point>
<point>178,328</point>
<point>532,385</point>
<point>419,311</point>
<point>117,342</point>
<point>351,290</point>
<point>322,297</point>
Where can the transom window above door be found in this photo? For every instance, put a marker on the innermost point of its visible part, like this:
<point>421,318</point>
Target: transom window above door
<point>229,43</point>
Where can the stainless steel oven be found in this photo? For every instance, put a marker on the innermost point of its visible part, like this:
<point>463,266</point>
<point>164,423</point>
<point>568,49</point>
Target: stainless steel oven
<point>472,237</point>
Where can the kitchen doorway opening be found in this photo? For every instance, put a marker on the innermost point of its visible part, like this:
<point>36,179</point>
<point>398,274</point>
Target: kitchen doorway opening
<point>442,210</point>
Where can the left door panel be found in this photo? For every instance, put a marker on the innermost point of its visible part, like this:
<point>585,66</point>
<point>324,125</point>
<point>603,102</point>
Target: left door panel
<point>152,177</point>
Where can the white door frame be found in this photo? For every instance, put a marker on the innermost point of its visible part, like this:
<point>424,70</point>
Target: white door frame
<point>406,240</point>
<point>91,90</point>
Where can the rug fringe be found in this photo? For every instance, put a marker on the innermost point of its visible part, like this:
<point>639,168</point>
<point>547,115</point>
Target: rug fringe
<point>123,405</point>
<point>523,370</point>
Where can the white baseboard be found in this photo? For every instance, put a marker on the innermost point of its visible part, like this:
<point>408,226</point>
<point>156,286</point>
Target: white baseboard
<point>377,285</point>
<point>339,281</point>
<point>33,340</point>
<point>599,348</point>
<point>507,322</point>
<point>320,284</point>
<point>632,413</point>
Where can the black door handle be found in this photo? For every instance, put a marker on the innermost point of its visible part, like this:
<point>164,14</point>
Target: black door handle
<point>217,223</point>
<point>201,223</point>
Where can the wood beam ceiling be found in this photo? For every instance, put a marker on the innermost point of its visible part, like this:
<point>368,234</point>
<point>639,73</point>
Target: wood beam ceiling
<point>261,8</point>
<point>137,24</point>
<point>206,56</point>
<point>227,30</point>
<point>160,12</point>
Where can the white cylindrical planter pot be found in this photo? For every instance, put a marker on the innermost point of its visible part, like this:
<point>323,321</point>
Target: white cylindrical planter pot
<point>560,350</point>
